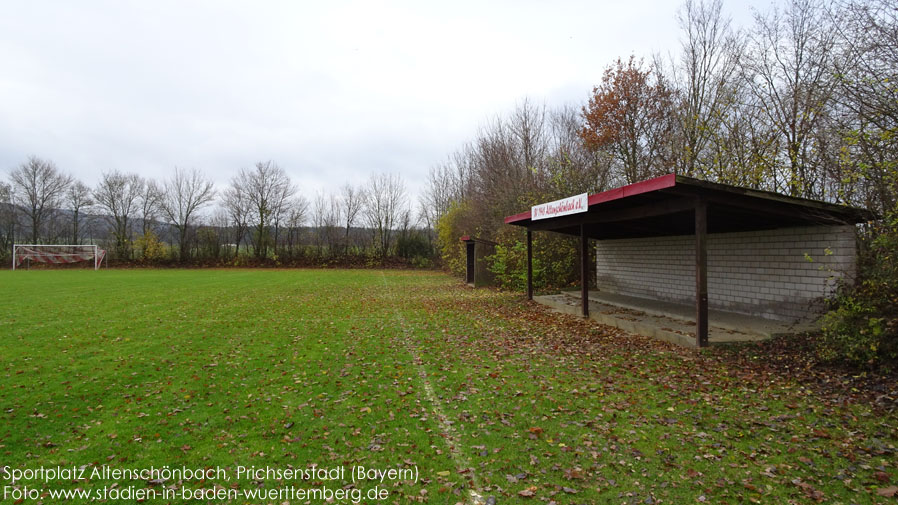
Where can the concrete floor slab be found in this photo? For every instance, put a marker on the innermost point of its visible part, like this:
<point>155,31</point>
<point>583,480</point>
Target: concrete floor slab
<point>668,321</point>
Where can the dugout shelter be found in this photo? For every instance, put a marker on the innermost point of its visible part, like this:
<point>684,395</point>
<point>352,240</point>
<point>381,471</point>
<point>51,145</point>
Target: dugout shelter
<point>679,239</point>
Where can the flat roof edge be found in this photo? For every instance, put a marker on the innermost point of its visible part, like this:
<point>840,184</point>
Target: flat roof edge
<point>672,180</point>
<point>517,217</point>
<point>662,182</point>
<point>858,214</point>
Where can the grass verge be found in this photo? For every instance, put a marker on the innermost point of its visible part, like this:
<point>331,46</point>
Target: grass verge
<point>490,398</point>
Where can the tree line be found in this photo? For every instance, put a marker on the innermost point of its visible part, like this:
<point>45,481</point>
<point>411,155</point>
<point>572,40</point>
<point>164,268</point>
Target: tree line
<point>803,102</point>
<point>260,217</point>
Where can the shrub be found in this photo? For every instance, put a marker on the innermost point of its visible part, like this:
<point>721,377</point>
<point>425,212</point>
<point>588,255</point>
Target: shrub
<point>450,229</point>
<point>862,325</point>
<point>413,245</point>
<point>151,248</point>
<point>555,257</point>
<point>421,262</point>
<point>555,261</point>
<point>509,265</point>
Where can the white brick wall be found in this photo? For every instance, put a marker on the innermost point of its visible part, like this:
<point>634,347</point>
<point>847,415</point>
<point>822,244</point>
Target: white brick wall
<point>764,273</point>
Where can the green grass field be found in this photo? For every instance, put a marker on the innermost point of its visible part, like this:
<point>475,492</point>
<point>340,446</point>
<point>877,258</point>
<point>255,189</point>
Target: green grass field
<point>490,398</point>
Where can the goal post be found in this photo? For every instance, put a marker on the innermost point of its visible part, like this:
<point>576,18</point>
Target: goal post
<point>57,254</point>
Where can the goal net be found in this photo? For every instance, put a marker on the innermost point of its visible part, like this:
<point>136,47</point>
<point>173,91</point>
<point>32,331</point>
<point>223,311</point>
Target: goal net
<point>57,254</point>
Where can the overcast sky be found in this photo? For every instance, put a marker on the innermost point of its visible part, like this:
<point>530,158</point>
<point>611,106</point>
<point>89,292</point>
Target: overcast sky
<point>332,91</point>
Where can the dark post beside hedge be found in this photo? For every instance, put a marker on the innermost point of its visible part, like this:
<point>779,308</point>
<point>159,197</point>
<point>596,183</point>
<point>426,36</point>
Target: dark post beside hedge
<point>529,265</point>
<point>584,270</point>
<point>701,273</point>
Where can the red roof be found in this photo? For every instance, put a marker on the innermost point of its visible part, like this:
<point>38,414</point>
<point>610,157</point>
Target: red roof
<point>665,206</point>
<point>665,181</point>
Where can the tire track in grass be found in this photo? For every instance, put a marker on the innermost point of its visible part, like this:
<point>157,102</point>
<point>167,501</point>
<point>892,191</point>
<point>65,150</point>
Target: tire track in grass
<point>462,463</point>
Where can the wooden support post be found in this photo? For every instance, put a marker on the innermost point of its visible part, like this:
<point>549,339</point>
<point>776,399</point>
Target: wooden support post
<point>471,265</point>
<point>529,265</point>
<point>584,270</point>
<point>701,273</point>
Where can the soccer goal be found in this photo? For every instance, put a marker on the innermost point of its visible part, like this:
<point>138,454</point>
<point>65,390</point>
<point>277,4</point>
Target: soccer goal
<point>57,254</point>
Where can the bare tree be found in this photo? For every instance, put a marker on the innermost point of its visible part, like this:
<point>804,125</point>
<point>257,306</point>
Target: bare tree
<point>352,200</point>
<point>118,194</point>
<point>319,211</point>
<point>789,69</point>
<point>570,167</point>
<point>744,146</point>
<point>386,199</point>
<point>150,205</point>
<point>496,166</point>
<point>268,189</point>
<point>868,35</point>
<point>705,77</point>
<point>38,187</point>
<point>78,197</point>
<point>527,128</point>
<point>238,207</point>
<point>210,234</point>
<point>332,223</point>
<point>327,215</point>
<point>8,219</point>
<point>281,208</point>
<point>295,216</point>
<point>450,181</point>
<point>437,196</point>
<point>185,193</point>
<point>867,70</point>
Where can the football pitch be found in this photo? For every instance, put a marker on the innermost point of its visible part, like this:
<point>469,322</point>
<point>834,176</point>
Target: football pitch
<point>365,386</point>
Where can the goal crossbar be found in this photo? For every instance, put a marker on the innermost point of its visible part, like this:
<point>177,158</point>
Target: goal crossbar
<point>57,254</point>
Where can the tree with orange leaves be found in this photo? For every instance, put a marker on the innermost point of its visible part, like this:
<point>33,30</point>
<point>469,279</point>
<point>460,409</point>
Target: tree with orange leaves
<point>629,116</point>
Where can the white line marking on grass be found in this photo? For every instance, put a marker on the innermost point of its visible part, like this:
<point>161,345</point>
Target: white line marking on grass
<point>452,441</point>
